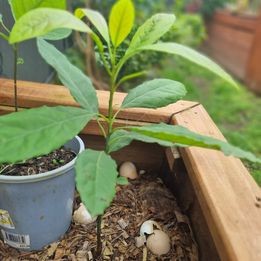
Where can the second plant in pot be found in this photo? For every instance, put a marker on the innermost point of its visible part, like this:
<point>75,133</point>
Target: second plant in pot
<point>96,171</point>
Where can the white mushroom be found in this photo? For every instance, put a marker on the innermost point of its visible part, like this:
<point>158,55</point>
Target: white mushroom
<point>158,243</point>
<point>82,216</point>
<point>128,170</point>
<point>148,227</point>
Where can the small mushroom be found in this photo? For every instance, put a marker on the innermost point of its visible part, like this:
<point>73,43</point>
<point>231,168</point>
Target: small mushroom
<point>128,170</point>
<point>148,227</point>
<point>158,243</point>
<point>82,216</point>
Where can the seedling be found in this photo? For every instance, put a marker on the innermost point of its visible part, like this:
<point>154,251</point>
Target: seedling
<point>96,171</point>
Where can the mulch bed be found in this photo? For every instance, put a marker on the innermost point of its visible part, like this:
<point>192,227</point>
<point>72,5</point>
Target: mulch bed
<point>143,199</point>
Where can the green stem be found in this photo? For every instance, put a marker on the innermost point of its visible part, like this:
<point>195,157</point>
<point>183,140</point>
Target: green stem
<point>7,30</point>
<point>15,47</point>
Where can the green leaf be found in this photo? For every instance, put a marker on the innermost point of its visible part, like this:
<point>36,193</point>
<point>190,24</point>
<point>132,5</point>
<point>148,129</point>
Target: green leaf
<point>121,21</point>
<point>20,7</point>
<point>97,20</point>
<point>122,138</point>
<point>191,55</point>
<point>57,34</point>
<point>73,78</point>
<point>40,21</point>
<point>151,30</point>
<point>122,181</point>
<point>35,132</point>
<point>154,94</point>
<point>96,178</point>
<point>182,136</point>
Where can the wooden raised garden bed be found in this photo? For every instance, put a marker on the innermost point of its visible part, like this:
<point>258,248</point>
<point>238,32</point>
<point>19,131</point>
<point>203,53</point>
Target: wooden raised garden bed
<point>216,192</point>
<point>235,42</point>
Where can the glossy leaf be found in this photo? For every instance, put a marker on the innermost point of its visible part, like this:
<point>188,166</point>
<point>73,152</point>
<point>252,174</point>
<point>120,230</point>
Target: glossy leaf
<point>121,21</point>
<point>96,179</point>
<point>121,138</point>
<point>97,20</point>
<point>154,94</point>
<point>191,55</point>
<point>20,7</point>
<point>57,34</point>
<point>40,21</point>
<point>73,78</point>
<point>35,132</point>
<point>151,31</point>
<point>182,136</point>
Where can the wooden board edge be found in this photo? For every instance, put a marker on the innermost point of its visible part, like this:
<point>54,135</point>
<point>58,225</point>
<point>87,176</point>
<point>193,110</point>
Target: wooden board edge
<point>31,94</point>
<point>226,191</point>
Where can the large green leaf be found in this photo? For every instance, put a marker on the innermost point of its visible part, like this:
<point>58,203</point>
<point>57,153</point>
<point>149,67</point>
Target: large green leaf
<point>20,7</point>
<point>40,21</point>
<point>121,21</point>
<point>96,179</point>
<point>73,78</point>
<point>182,136</point>
<point>97,20</point>
<point>122,138</point>
<point>154,94</point>
<point>191,55</point>
<point>38,131</point>
<point>151,30</point>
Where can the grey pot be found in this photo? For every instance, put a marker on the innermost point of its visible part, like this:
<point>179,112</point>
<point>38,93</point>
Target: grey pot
<point>36,210</point>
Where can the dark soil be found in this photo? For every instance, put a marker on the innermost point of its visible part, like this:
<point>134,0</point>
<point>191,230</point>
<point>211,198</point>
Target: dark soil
<point>38,165</point>
<point>143,199</point>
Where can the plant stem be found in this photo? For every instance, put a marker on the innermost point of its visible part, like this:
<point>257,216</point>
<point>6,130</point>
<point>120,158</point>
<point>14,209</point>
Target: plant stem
<point>99,242</point>
<point>15,76</point>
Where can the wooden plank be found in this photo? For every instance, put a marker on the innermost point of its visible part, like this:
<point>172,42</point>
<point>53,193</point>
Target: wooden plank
<point>227,193</point>
<point>37,94</point>
<point>230,47</point>
<point>247,23</point>
<point>239,39</point>
<point>253,70</point>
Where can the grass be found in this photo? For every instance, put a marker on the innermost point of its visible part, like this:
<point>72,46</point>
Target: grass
<point>235,111</point>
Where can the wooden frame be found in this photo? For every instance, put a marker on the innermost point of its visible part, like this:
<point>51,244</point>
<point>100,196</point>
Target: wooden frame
<point>235,42</point>
<point>228,196</point>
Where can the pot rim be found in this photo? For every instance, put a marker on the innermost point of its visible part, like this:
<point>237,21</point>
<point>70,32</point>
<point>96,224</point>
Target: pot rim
<point>46,175</point>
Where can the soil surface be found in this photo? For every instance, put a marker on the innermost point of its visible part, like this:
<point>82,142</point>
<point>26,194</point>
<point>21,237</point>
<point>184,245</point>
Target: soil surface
<point>38,165</point>
<point>143,199</point>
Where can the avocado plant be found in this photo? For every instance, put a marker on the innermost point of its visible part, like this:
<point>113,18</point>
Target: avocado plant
<point>30,132</point>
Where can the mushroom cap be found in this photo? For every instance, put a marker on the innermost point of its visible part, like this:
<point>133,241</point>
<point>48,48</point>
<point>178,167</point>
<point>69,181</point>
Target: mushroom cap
<point>128,170</point>
<point>158,243</point>
<point>82,216</point>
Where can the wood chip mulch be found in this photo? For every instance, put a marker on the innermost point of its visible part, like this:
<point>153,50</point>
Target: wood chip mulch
<point>142,199</point>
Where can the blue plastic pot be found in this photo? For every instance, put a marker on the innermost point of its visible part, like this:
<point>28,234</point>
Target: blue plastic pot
<point>36,210</point>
